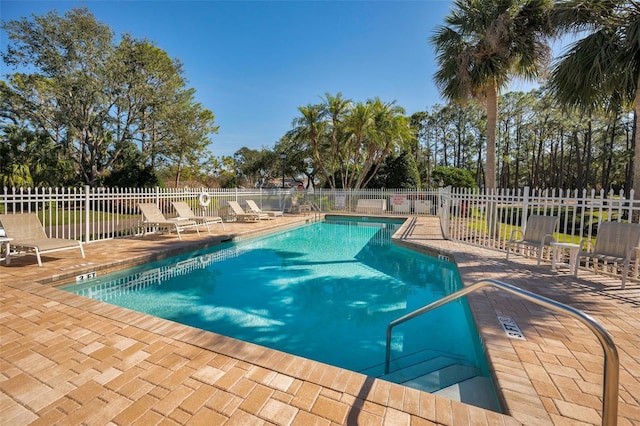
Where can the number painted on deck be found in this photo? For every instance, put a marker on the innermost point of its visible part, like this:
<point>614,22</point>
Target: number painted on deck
<point>85,277</point>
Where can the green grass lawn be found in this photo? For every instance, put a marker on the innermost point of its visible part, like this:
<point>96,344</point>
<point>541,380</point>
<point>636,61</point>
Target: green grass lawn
<point>54,217</point>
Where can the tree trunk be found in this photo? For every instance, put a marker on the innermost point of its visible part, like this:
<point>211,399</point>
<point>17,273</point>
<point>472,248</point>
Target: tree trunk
<point>562,172</point>
<point>636,157</point>
<point>578,178</point>
<point>492,115</point>
<point>636,141</point>
<point>504,167</point>
<point>608,154</point>
<point>516,180</point>
<point>587,151</point>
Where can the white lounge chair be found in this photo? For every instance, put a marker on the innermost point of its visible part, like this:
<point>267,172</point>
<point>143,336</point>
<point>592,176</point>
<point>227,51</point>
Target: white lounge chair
<point>153,217</point>
<point>28,235</point>
<point>374,205</point>
<point>240,214</point>
<point>253,208</point>
<point>616,242</point>
<point>537,233</point>
<point>184,211</point>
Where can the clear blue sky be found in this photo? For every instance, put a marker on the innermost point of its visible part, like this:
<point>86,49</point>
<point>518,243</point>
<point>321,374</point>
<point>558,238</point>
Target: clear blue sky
<point>253,63</point>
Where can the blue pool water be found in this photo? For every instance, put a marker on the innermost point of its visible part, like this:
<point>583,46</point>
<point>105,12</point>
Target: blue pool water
<point>325,291</point>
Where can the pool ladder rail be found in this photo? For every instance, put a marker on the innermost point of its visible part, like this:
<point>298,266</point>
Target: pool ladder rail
<point>317,212</point>
<point>611,358</point>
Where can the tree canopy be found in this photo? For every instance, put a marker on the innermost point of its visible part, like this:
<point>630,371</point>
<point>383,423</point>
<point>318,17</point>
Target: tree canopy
<point>349,141</point>
<point>483,44</point>
<point>82,105</point>
<point>91,98</point>
<point>602,69</point>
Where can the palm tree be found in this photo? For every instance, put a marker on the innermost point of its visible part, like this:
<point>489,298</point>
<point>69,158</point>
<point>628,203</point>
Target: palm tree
<point>359,130</point>
<point>482,46</point>
<point>390,130</point>
<point>336,109</point>
<point>309,131</point>
<point>603,68</point>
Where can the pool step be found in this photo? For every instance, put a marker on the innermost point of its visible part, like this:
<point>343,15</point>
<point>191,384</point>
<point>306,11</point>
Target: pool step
<point>424,361</point>
<point>434,380</point>
<point>476,391</point>
<point>432,375</point>
<point>454,381</point>
<point>442,374</point>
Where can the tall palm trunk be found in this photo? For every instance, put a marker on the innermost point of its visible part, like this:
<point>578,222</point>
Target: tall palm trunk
<point>490,174</point>
<point>636,131</point>
<point>492,119</point>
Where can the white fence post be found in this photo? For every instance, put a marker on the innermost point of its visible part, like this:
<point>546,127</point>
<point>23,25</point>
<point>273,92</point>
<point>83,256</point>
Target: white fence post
<point>87,203</point>
<point>525,207</point>
<point>444,207</point>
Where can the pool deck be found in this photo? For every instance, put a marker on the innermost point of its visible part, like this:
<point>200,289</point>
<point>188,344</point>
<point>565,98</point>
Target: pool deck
<point>65,359</point>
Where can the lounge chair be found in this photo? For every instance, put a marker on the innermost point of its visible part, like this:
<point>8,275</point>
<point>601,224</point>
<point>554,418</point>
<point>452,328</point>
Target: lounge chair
<point>240,214</point>
<point>373,205</point>
<point>153,217</point>
<point>184,211</point>
<point>616,242</point>
<point>28,235</point>
<point>299,208</point>
<point>537,233</point>
<point>253,208</point>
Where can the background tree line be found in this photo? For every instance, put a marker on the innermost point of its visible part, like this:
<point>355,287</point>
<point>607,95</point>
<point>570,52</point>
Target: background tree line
<point>484,44</point>
<point>539,143</point>
<point>93,111</point>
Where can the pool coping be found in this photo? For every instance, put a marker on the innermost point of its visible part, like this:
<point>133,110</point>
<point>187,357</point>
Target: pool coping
<point>521,396</point>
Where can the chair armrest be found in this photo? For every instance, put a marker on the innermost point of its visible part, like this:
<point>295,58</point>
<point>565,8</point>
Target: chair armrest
<point>513,232</point>
<point>631,250</point>
<point>584,242</point>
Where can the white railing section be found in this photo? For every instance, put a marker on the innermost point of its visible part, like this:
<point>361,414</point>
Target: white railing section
<point>487,219</point>
<point>472,216</point>
<point>95,214</point>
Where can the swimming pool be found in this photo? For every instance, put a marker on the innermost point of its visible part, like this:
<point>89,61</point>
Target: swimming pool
<point>325,291</point>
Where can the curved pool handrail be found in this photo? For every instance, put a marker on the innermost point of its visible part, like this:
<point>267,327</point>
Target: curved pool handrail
<point>611,358</point>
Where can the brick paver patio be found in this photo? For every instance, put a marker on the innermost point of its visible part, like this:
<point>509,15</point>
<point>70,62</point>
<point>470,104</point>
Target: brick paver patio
<point>65,359</point>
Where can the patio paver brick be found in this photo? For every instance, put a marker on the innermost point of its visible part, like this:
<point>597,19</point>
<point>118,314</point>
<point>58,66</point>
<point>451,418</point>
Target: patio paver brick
<point>65,359</point>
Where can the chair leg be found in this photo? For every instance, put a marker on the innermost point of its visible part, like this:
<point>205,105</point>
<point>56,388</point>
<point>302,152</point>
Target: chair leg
<point>625,272</point>
<point>81,249</point>
<point>540,254</point>
<point>38,257</point>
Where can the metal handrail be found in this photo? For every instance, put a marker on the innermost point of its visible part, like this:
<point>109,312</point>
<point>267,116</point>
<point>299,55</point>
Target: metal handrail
<point>611,359</point>
<point>317,212</point>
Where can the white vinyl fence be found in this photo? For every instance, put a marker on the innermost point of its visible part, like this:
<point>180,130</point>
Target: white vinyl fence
<point>94,214</point>
<point>488,219</point>
<point>471,216</point>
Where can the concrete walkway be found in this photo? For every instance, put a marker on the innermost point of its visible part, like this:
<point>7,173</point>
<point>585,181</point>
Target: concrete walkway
<point>65,359</point>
